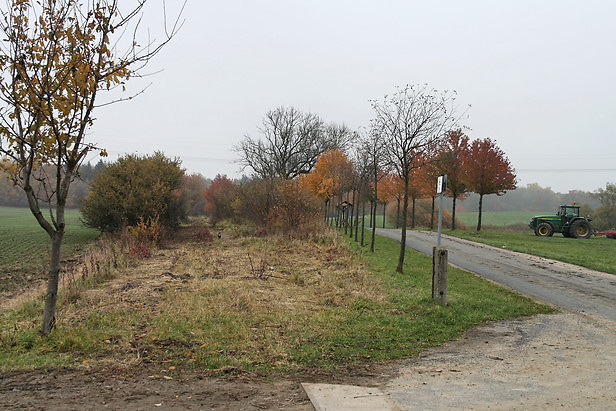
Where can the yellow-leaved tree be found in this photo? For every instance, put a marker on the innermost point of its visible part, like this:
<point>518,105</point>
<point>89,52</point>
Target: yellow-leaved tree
<point>332,174</point>
<point>56,58</point>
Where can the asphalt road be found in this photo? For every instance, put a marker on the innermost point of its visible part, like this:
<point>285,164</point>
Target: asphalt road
<point>568,287</point>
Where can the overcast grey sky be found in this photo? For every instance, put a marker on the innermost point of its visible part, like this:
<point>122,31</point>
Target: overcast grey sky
<point>540,77</point>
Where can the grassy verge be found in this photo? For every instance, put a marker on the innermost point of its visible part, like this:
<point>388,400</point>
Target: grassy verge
<point>596,253</point>
<point>257,304</point>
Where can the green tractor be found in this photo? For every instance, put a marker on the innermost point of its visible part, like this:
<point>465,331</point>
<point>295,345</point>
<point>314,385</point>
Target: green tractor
<point>566,221</point>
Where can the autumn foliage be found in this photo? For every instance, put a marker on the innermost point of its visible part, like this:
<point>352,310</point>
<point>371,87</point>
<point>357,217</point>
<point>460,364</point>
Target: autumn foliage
<point>488,171</point>
<point>56,60</point>
<point>219,198</point>
<point>331,174</point>
<point>270,205</point>
<point>296,210</point>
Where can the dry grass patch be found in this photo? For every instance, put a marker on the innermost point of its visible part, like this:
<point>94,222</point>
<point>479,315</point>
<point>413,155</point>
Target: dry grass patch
<point>246,303</point>
<point>252,301</point>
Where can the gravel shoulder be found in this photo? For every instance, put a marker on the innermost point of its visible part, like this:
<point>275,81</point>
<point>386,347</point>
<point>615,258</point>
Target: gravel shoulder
<point>549,361</point>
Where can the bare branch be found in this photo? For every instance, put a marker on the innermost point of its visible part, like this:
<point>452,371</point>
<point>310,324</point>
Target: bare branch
<point>291,142</point>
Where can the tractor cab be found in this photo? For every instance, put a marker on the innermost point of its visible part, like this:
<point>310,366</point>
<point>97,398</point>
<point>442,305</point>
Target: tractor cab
<point>569,211</point>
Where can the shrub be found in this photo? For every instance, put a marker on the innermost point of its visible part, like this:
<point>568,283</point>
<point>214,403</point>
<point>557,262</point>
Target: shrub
<point>604,217</point>
<point>296,209</point>
<point>135,187</point>
<point>277,206</point>
<point>148,231</point>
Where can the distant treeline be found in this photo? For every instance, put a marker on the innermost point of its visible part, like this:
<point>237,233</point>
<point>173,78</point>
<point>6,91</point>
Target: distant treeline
<point>13,196</point>
<point>529,198</point>
<point>191,193</point>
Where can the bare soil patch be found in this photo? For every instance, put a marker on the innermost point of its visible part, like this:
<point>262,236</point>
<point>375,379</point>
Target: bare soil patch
<point>148,387</point>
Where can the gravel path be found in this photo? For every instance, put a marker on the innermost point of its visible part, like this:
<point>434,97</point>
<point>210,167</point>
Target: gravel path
<point>544,362</point>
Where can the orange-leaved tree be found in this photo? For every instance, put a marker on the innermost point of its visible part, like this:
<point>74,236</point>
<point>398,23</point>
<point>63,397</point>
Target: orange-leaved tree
<point>388,191</point>
<point>419,184</point>
<point>331,175</point>
<point>56,58</point>
<point>488,171</point>
<point>452,155</point>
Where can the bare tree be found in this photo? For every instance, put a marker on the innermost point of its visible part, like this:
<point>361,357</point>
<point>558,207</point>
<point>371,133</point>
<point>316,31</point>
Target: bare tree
<point>290,144</point>
<point>412,121</point>
<point>361,170</point>
<point>56,59</point>
<point>373,152</point>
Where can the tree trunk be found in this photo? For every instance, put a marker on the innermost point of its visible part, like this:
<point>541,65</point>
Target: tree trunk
<point>413,214</point>
<point>56,235</point>
<point>363,222</point>
<point>373,228</point>
<point>340,212</point>
<point>352,210</point>
<point>405,209</point>
<point>480,209</point>
<point>357,213</point>
<point>326,210</point>
<point>337,215</point>
<point>432,215</point>
<point>384,207</point>
<point>398,212</point>
<point>453,214</point>
<point>51,295</point>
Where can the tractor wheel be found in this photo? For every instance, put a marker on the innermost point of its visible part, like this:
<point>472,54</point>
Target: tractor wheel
<point>581,229</point>
<point>544,230</point>
<point>612,236</point>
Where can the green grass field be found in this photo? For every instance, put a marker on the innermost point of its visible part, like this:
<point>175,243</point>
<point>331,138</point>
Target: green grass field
<point>596,253</point>
<point>498,218</point>
<point>24,246</point>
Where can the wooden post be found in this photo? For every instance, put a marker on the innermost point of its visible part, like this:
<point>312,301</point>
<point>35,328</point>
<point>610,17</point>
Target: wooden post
<point>439,275</point>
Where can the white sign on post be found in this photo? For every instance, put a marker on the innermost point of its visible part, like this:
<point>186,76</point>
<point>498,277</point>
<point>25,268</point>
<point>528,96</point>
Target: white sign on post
<point>441,184</point>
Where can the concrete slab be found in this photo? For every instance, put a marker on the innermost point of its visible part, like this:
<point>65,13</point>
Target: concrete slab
<point>328,397</point>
